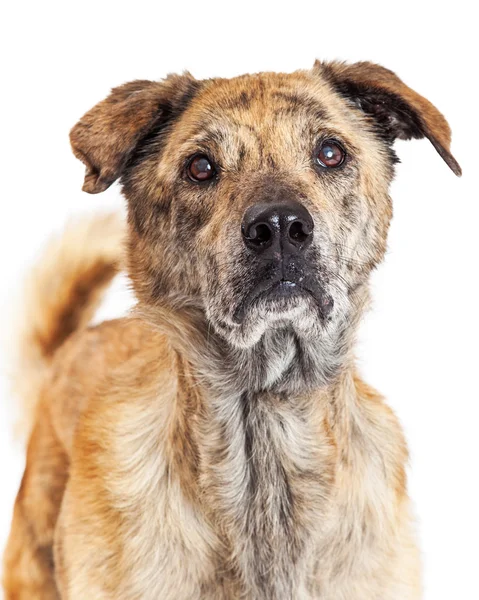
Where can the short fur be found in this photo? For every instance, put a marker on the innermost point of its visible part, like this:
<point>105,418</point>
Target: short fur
<point>217,444</point>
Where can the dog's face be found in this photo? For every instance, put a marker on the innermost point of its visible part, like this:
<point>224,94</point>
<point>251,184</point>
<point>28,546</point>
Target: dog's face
<point>273,204</point>
<point>264,198</point>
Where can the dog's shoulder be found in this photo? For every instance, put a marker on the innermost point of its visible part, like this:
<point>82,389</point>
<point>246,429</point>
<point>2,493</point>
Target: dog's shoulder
<point>98,365</point>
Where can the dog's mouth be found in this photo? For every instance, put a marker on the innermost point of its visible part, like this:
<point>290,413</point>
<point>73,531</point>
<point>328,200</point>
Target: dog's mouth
<point>282,294</point>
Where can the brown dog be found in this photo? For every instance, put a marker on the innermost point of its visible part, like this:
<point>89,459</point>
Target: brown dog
<point>219,444</point>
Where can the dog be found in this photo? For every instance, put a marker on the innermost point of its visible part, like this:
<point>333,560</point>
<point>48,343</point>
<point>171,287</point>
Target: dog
<point>218,442</point>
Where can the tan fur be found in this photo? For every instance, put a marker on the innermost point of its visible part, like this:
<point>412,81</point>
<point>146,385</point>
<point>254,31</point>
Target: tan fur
<point>179,453</point>
<point>60,296</point>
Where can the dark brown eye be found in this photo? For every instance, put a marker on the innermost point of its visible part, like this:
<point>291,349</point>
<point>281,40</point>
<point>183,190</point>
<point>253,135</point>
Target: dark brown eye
<point>330,154</point>
<point>200,168</point>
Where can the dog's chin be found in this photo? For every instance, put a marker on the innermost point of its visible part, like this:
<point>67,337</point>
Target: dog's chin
<point>284,304</point>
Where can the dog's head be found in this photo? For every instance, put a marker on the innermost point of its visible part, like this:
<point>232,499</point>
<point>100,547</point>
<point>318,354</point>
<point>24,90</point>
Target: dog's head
<point>263,198</point>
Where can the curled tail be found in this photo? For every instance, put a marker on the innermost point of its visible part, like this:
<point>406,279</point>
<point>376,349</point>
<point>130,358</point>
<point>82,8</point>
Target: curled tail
<point>62,292</point>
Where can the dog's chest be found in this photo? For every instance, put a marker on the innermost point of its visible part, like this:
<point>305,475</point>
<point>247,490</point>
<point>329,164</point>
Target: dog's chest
<point>267,481</point>
<point>278,493</point>
<point>301,507</point>
<point>282,512</point>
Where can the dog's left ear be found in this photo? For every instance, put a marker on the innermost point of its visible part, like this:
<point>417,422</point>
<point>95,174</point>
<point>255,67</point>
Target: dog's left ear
<point>107,136</point>
<point>399,111</point>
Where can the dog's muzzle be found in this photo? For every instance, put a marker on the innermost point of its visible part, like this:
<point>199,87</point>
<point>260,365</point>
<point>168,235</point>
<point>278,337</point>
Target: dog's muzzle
<point>277,235</point>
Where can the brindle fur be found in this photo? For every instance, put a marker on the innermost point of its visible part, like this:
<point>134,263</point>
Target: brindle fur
<point>184,452</point>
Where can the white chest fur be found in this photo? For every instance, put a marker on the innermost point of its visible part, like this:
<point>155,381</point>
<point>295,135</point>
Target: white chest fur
<point>291,504</point>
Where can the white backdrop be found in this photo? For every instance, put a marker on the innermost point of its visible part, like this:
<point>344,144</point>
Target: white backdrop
<point>419,343</point>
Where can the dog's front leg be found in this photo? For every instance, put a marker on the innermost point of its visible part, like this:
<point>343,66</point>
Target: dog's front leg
<point>28,566</point>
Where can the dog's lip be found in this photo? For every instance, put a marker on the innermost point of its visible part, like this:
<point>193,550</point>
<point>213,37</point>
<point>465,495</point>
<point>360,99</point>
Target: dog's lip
<point>284,287</point>
<point>276,289</point>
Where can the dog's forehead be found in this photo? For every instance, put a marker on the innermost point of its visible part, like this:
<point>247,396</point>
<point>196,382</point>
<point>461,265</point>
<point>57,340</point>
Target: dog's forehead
<point>261,117</point>
<point>261,101</point>
<point>263,91</point>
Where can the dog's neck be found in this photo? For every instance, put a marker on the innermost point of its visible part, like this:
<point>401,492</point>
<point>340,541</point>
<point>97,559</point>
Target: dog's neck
<point>266,429</point>
<point>266,463</point>
<point>283,361</point>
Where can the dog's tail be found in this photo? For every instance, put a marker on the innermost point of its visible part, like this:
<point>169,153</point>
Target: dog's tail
<point>61,295</point>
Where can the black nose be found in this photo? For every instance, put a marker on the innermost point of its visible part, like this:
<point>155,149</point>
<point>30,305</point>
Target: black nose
<point>284,227</point>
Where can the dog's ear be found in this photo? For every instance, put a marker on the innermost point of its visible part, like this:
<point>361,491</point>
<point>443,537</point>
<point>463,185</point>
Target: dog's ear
<point>397,110</point>
<point>107,136</point>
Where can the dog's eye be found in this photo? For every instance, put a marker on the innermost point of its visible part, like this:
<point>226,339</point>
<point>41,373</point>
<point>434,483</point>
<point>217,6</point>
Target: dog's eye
<point>200,168</point>
<point>330,154</point>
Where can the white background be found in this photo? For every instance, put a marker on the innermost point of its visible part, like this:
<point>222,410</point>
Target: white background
<point>419,343</point>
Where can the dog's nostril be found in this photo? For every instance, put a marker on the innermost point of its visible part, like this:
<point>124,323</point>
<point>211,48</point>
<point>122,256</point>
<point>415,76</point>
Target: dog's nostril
<point>260,234</point>
<point>298,232</point>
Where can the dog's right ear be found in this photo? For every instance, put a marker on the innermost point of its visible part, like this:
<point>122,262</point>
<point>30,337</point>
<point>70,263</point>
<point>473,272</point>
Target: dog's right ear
<point>107,135</point>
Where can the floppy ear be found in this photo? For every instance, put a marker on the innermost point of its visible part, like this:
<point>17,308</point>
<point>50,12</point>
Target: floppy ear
<point>398,110</point>
<point>106,136</point>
